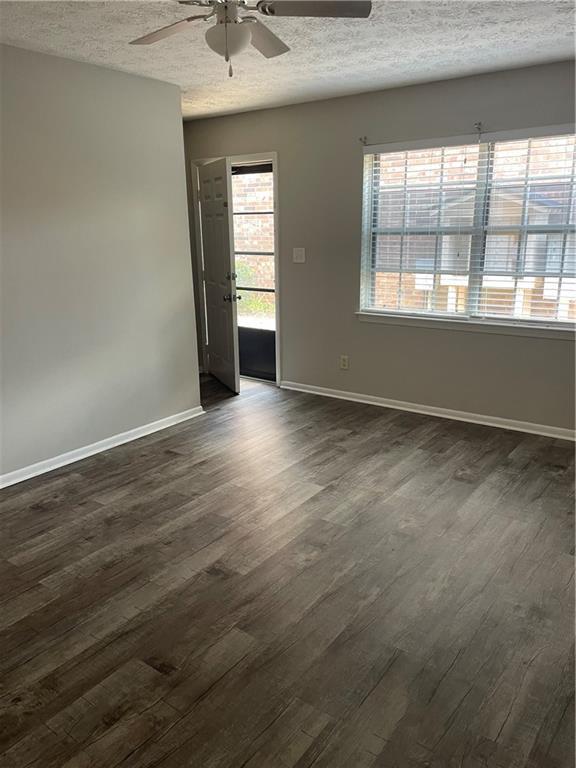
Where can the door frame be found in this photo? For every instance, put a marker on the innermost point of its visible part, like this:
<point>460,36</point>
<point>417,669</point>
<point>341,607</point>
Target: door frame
<point>259,157</point>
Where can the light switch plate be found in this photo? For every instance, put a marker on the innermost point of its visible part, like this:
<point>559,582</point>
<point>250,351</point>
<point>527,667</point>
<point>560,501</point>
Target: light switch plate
<point>298,255</point>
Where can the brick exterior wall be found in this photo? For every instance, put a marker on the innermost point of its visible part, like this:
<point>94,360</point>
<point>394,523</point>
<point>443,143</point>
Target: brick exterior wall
<point>252,201</point>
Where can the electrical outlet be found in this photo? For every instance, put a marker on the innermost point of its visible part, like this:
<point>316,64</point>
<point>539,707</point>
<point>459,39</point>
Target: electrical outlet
<point>344,362</point>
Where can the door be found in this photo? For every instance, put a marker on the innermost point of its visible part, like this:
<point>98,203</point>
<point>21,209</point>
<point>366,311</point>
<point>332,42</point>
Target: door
<point>253,207</point>
<point>219,281</point>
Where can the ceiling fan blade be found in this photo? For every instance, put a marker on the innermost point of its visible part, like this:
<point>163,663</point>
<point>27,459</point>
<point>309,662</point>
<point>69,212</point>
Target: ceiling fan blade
<point>160,34</point>
<point>351,9</point>
<point>265,41</point>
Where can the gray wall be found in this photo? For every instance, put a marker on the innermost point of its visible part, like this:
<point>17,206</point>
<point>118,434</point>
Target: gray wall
<point>98,328</point>
<point>320,181</point>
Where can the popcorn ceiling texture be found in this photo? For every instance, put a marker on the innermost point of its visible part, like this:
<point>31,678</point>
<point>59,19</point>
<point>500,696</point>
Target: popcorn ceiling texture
<point>402,43</point>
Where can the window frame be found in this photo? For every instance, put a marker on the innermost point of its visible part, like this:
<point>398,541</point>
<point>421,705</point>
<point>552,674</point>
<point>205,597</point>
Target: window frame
<point>505,326</point>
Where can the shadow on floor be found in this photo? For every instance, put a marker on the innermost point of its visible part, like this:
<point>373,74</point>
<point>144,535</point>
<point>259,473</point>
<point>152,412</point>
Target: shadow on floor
<point>212,392</point>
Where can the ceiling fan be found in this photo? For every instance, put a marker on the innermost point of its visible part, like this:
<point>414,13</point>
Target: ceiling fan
<point>234,31</point>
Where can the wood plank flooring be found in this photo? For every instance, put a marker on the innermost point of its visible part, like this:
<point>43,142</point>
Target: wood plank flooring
<point>291,581</point>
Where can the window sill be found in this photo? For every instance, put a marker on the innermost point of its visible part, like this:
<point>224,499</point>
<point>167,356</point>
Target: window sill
<point>564,333</point>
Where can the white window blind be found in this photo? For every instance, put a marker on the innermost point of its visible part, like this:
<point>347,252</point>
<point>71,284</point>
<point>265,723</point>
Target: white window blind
<point>476,231</point>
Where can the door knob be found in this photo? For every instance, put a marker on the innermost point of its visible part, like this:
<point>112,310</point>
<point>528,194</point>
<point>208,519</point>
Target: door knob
<point>227,297</point>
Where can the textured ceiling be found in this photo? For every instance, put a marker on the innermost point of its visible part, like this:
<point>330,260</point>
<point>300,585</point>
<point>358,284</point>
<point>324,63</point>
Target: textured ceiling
<point>401,43</point>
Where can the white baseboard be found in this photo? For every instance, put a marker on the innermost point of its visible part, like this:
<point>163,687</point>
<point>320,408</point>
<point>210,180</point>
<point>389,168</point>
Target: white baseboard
<point>102,445</point>
<point>430,410</point>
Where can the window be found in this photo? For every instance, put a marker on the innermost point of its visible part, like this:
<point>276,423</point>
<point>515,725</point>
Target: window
<point>481,231</point>
<point>253,211</point>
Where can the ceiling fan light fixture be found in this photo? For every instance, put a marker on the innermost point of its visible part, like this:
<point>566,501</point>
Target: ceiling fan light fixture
<point>229,39</point>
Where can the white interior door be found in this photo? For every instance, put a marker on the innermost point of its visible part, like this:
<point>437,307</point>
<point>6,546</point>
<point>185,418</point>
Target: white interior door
<point>217,234</point>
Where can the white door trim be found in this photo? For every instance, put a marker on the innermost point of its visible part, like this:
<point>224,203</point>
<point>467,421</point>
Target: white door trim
<point>199,256</point>
<point>259,157</point>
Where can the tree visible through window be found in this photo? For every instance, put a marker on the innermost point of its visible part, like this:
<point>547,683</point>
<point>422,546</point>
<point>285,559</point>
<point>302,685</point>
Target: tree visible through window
<point>479,231</point>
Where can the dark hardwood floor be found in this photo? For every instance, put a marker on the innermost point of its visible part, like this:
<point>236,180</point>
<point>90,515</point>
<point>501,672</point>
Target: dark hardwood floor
<point>293,581</point>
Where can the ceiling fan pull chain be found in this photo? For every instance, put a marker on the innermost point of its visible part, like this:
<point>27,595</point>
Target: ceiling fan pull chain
<point>227,55</point>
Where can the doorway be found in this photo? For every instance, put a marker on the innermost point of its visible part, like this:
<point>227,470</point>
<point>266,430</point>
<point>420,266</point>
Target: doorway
<point>235,204</point>
<point>254,255</point>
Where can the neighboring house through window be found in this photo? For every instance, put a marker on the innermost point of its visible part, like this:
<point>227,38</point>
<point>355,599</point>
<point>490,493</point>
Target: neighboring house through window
<point>480,231</point>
